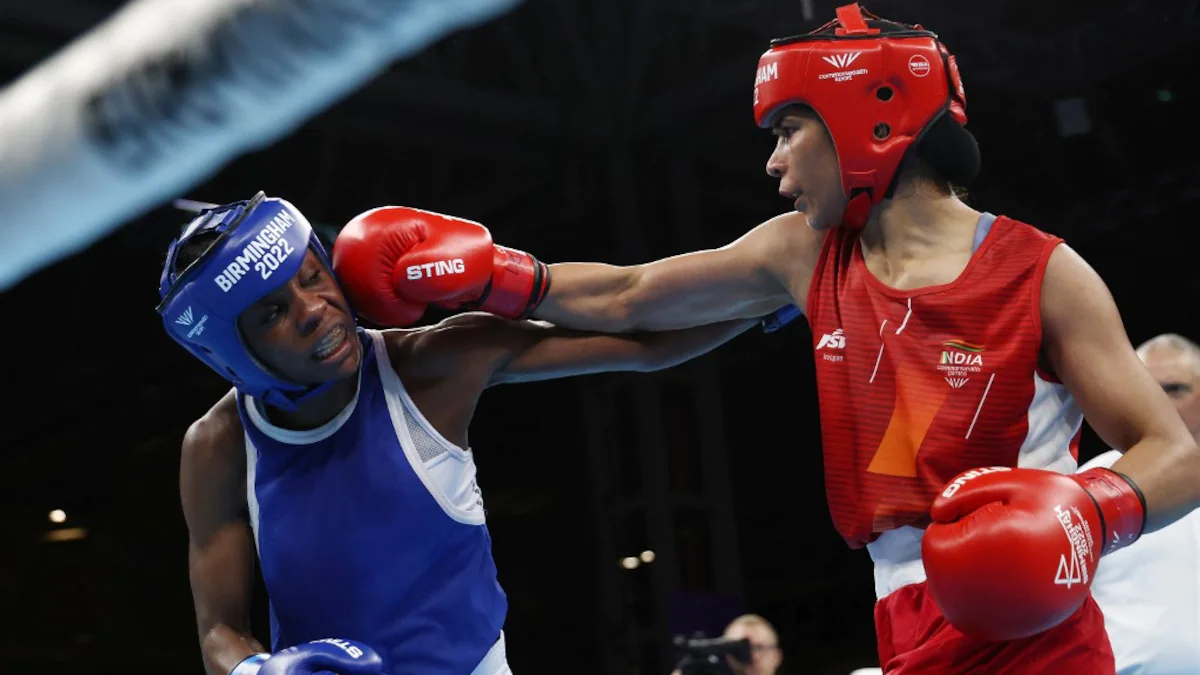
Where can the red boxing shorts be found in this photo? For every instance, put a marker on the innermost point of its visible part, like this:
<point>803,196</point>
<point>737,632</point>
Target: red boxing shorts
<point>914,637</point>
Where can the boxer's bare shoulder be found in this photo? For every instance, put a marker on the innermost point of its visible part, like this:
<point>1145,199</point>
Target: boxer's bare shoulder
<point>790,249</point>
<point>444,368</point>
<point>446,349</point>
<point>214,452</point>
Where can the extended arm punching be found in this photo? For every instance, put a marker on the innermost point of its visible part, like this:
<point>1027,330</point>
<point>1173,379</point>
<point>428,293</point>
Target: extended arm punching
<point>765,269</point>
<point>541,351</point>
<point>732,282</point>
<point>527,351</point>
<point>394,261</point>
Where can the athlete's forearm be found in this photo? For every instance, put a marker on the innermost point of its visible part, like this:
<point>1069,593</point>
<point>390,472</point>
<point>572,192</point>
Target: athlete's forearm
<point>671,348</point>
<point>223,648</point>
<point>590,297</point>
<point>670,294</point>
<point>1168,474</point>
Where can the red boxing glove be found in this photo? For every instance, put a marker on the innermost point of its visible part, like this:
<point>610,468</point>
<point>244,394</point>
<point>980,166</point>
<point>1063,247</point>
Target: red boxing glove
<point>1012,552</point>
<point>394,261</point>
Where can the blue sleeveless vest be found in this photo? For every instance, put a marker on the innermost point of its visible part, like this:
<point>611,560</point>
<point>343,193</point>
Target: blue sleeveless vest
<point>358,540</point>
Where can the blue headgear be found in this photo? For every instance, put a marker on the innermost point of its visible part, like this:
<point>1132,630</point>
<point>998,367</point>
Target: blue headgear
<point>260,246</point>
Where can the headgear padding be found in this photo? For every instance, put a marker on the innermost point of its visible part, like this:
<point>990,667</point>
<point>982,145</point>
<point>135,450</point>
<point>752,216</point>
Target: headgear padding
<point>261,244</point>
<point>879,87</point>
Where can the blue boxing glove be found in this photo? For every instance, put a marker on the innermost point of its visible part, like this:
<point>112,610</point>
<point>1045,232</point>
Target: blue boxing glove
<point>780,318</point>
<point>329,656</point>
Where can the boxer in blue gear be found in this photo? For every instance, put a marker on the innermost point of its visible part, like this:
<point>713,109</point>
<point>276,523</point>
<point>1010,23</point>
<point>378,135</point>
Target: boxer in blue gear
<point>340,457</point>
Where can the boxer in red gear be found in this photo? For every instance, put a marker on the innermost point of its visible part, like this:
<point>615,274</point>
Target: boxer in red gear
<point>947,342</point>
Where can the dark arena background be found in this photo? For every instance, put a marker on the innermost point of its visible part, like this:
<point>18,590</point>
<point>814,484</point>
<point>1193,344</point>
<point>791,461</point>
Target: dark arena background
<point>608,130</point>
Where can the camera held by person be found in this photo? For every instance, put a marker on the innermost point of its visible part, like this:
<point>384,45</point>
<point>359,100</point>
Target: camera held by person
<point>748,647</point>
<point>711,656</point>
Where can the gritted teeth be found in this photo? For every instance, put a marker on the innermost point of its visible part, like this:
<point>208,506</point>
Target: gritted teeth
<point>329,344</point>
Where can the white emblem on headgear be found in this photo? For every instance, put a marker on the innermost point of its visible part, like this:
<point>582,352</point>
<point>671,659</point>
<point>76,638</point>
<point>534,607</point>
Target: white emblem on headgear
<point>842,60</point>
<point>918,65</point>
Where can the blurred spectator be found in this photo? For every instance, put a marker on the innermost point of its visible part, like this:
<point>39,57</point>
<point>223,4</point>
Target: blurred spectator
<point>1150,592</point>
<point>765,654</point>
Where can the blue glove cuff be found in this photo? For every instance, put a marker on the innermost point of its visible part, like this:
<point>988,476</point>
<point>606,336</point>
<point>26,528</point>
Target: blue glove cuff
<point>780,318</point>
<point>249,665</point>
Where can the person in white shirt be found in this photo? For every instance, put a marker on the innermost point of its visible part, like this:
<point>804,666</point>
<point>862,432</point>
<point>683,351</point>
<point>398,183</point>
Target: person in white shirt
<point>1150,592</point>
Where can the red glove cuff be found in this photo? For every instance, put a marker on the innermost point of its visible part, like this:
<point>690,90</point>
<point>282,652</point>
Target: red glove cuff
<point>519,283</point>
<point>1121,503</point>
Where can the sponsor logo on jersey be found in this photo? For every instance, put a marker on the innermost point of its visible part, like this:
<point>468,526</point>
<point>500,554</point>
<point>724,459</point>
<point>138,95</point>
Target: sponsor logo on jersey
<point>835,341</point>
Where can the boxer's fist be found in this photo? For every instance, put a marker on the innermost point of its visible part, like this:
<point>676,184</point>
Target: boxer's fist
<point>394,261</point>
<point>342,657</point>
<point>1011,552</point>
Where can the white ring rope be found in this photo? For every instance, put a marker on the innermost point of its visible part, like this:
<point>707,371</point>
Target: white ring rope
<point>163,94</point>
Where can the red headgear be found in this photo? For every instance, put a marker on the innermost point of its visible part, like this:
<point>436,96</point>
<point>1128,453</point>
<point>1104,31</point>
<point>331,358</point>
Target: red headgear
<point>878,88</point>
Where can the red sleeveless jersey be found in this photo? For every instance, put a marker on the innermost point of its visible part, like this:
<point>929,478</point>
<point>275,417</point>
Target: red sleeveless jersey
<point>916,386</point>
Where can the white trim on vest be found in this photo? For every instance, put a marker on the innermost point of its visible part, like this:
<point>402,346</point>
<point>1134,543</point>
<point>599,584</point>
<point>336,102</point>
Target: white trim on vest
<point>451,477</point>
